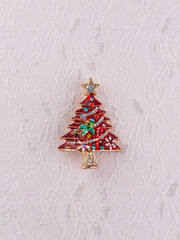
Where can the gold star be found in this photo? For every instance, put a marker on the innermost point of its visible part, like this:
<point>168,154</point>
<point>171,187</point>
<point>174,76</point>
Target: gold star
<point>90,87</point>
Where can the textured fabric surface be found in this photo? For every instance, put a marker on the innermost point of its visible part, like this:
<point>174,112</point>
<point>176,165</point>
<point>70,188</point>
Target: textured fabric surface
<point>48,48</point>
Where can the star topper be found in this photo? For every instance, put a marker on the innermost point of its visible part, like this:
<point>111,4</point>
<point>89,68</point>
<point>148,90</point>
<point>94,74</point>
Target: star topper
<point>90,87</point>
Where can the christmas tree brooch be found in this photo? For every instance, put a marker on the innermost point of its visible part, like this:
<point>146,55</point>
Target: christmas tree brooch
<point>89,132</point>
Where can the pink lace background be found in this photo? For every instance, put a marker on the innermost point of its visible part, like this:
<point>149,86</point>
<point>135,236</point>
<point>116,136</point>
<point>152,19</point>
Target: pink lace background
<point>47,50</point>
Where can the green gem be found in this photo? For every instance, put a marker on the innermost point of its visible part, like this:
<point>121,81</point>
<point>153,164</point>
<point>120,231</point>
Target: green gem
<point>92,131</point>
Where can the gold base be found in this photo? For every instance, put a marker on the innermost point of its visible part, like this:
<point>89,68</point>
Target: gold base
<point>74,150</point>
<point>89,167</point>
<point>89,161</point>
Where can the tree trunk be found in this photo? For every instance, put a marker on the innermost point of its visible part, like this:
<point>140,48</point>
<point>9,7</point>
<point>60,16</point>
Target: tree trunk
<point>89,161</point>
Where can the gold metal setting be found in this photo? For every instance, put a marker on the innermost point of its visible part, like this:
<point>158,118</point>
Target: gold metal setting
<point>90,87</point>
<point>89,161</point>
<point>74,143</point>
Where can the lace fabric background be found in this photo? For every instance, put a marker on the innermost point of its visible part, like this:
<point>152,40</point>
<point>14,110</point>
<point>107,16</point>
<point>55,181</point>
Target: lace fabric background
<point>47,50</point>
